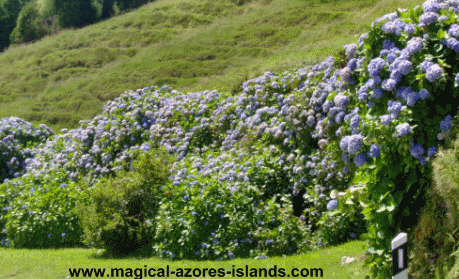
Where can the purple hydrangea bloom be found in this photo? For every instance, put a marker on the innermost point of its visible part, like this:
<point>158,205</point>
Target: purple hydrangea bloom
<point>417,151</point>
<point>341,101</point>
<point>412,98</point>
<point>352,64</point>
<point>360,159</point>
<point>432,151</point>
<point>385,119</point>
<point>375,66</point>
<point>426,64</point>
<point>424,94</point>
<point>431,6</point>
<point>442,18</point>
<point>374,151</point>
<point>350,50</point>
<point>423,160</point>
<point>447,123</point>
<point>403,129</point>
<point>355,121</point>
<point>351,144</point>
<point>453,44</point>
<point>388,44</point>
<point>389,84</point>
<point>414,45</point>
<point>434,72</point>
<point>396,75</point>
<point>409,28</point>
<point>405,67</point>
<point>454,30</point>
<point>346,73</point>
<point>332,204</point>
<point>428,18</point>
<point>394,107</point>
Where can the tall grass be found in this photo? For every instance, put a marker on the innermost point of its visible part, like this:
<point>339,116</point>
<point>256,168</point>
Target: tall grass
<point>190,45</point>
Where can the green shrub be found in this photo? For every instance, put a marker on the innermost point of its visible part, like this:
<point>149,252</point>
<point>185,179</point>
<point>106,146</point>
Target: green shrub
<point>119,216</point>
<point>27,27</point>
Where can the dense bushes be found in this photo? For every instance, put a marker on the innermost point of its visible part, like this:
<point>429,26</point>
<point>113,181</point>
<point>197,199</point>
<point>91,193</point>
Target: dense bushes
<point>358,141</point>
<point>120,213</point>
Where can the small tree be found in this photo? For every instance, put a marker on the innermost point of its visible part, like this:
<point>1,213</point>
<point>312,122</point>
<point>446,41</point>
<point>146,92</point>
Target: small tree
<point>27,27</point>
<point>74,13</point>
<point>9,12</point>
<point>120,217</point>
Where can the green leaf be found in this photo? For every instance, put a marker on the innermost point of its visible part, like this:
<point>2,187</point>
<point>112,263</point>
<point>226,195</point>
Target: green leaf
<point>441,34</point>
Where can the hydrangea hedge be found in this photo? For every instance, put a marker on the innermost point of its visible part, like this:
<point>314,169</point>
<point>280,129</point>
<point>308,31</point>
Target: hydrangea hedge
<point>355,134</point>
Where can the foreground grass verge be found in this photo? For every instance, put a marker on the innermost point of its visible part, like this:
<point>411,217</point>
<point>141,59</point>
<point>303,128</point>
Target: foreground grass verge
<point>192,46</point>
<point>26,263</point>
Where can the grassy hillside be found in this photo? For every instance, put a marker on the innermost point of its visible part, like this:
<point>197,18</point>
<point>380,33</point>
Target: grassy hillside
<point>190,45</point>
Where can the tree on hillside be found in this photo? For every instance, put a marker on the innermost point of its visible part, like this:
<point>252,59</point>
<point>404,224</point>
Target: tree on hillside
<point>74,13</point>
<point>107,9</point>
<point>130,4</point>
<point>28,27</point>
<point>9,12</point>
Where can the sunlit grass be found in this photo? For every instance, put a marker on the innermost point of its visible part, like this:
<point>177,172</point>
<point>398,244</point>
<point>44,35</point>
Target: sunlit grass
<point>190,45</point>
<point>49,263</point>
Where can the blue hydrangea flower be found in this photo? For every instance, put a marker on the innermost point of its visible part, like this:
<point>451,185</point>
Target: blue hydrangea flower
<point>360,159</point>
<point>423,161</point>
<point>332,204</point>
<point>352,235</point>
<point>374,151</point>
<point>385,119</point>
<point>453,44</point>
<point>394,107</point>
<point>434,72</point>
<point>426,64</point>
<point>409,28</point>
<point>376,65</point>
<point>414,45</point>
<point>351,144</point>
<point>428,18</point>
<point>389,84</point>
<point>447,123</point>
<point>431,6</point>
<point>424,94</point>
<point>403,129</point>
<point>453,30</point>
<point>355,121</point>
<point>417,151</point>
<point>432,151</point>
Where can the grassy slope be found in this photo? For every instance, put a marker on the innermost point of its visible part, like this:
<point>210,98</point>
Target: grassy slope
<point>54,264</point>
<point>190,45</point>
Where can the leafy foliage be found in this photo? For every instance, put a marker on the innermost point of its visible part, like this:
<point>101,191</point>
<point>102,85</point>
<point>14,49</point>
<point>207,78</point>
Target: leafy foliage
<point>120,214</point>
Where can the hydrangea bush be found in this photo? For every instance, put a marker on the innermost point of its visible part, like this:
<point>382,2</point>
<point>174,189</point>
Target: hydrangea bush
<point>373,116</point>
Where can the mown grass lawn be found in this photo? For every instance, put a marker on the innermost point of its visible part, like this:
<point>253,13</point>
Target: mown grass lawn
<point>55,264</point>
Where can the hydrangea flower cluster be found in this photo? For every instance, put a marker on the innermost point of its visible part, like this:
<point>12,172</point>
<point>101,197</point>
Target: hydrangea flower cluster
<point>308,128</point>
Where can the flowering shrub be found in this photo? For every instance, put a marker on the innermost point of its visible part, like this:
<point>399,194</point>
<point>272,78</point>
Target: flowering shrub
<point>320,130</point>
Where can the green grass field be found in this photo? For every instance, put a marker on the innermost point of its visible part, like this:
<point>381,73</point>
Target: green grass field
<point>189,45</point>
<point>55,264</point>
